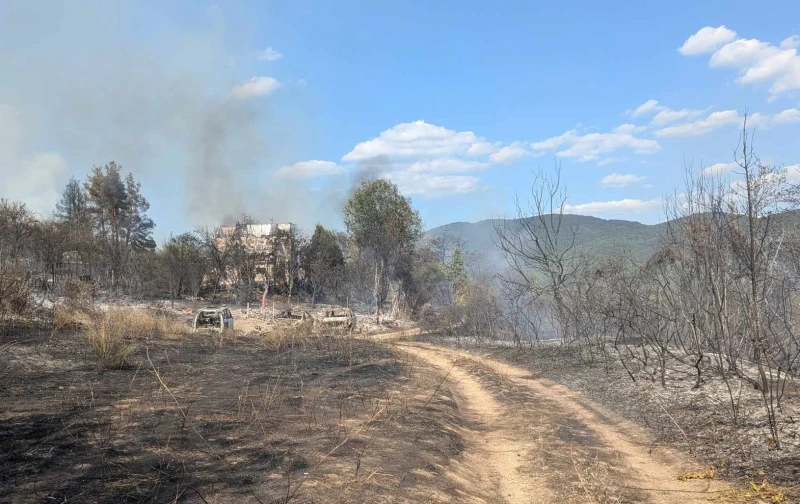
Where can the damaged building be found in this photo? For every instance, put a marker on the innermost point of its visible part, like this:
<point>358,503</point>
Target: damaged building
<point>270,251</point>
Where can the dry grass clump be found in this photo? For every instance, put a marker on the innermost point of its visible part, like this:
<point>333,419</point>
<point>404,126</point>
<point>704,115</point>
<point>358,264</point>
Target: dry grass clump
<point>145,324</point>
<point>762,491</point>
<point>279,337</point>
<point>111,333</point>
<point>138,323</point>
<point>69,316</point>
<point>707,473</point>
<point>108,336</point>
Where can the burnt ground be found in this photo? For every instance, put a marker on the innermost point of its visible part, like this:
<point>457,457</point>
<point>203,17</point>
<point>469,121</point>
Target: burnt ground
<point>326,419</point>
<point>694,421</point>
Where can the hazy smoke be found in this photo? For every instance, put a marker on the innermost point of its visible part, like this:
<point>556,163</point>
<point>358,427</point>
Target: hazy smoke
<point>97,84</point>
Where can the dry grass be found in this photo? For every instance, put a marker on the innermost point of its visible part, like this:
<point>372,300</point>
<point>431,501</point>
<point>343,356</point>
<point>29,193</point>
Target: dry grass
<point>279,337</point>
<point>113,334</point>
<point>595,483</point>
<point>707,473</point>
<point>761,492</point>
<point>137,323</point>
<point>107,335</point>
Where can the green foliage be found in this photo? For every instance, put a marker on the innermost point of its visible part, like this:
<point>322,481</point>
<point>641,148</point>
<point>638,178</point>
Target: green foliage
<point>117,211</point>
<point>183,257</point>
<point>72,206</point>
<point>322,260</point>
<point>457,275</point>
<point>385,226</point>
<point>381,219</point>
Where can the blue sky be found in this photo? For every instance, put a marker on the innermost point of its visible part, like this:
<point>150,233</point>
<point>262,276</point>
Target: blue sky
<point>280,108</point>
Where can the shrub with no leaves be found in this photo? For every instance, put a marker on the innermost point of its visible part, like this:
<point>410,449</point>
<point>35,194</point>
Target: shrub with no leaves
<point>107,335</point>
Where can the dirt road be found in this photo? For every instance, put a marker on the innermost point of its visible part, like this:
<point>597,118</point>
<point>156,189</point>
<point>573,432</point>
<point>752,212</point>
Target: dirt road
<point>533,441</point>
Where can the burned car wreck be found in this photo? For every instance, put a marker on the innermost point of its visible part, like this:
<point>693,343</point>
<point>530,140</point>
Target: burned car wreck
<point>212,317</point>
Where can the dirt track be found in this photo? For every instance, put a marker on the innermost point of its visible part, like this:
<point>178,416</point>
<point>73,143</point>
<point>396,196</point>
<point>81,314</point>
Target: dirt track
<point>535,442</point>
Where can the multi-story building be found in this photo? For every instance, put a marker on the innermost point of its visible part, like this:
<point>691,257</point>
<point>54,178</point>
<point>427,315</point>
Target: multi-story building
<point>271,247</point>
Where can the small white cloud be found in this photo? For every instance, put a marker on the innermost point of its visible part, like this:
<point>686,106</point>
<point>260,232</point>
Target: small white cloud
<point>622,208</point>
<point>620,180</point>
<point>719,168</point>
<point>627,128</point>
<point>413,140</point>
<point>668,115</point>
<point>589,146</point>
<point>446,165</point>
<point>702,126</point>
<point>257,86</point>
<point>792,173</point>
<point>270,54</point>
<point>433,186</point>
<point>767,121</point>
<point>707,40</point>
<point>509,153</point>
<point>787,116</point>
<point>760,61</point>
<point>310,169</point>
<point>647,107</point>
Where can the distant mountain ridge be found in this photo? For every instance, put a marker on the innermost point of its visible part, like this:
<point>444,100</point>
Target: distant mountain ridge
<point>594,236</point>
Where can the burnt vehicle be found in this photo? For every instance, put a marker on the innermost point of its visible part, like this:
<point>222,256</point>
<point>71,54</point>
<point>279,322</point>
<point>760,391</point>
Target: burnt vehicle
<point>213,317</point>
<point>339,317</point>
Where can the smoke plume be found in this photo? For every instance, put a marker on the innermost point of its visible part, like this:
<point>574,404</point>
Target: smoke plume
<point>92,81</point>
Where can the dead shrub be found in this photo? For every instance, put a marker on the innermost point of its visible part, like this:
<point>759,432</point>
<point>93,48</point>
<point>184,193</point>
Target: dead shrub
<point>70,315</point>
<point>15,297</point>
<point>74,290</point>
<point>107,335</point>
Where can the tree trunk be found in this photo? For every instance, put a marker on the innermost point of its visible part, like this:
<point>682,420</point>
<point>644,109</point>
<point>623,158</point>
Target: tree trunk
<point>377,293</point>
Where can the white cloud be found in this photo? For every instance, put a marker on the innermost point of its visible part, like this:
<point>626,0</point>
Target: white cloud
<point>270,54</point>
<point>628,128</point>
<point>257,86</point>
<point>620,180</point>
<point>663,114</point>
<point>707,40</point>
<point>482,148</point>
<point>719,168</point>
<point>757,61</point>
<point>432,160</point>
<point>413,140</point>
<point>433,185</point>
<point>787,116</point>
<point>647,107</point>
<point>310,169</point>
<point>418,153</point>
<point>446,165</point>
<point>621,208</point>
<point>792,173</point>
<point>701,126</point>
<point>668,115</point>
<point>509,153</point>
<point>589,146</point>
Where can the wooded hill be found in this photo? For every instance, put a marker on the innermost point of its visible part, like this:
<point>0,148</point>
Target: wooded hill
<point>596,237</point>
